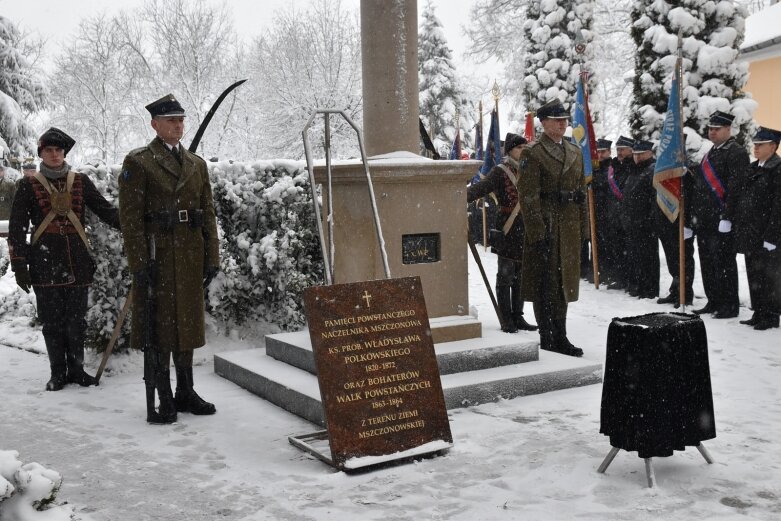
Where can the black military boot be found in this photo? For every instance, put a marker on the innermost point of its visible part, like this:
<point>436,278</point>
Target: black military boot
<point>76,374</point>
<point>503,298</point>
<point>669,299</point>
<point>752,321</point>
<point>55,347</point>
<point>561,343</point>
<point>166,413</point>
<point>187,400</point>
<point>518,318</point>
<point>767,321</point>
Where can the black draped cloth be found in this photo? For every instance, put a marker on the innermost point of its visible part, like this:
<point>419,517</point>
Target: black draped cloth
<point>656,395</point>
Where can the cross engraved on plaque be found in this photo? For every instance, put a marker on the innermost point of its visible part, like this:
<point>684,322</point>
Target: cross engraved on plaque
<point>367,298</point>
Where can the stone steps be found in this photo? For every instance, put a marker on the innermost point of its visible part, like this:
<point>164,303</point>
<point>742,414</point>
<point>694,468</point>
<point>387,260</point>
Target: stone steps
<point>477,371</point>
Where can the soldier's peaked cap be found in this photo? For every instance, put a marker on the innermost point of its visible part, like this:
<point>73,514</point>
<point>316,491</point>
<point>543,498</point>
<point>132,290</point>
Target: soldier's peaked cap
<point>642,146</point>
<point>604,144</point>
<point>625,142</point>
<point>552,110</point>
<point>720,119</point>
<point>167,106</point>
<point>55,137</point>
<point>767,135</point>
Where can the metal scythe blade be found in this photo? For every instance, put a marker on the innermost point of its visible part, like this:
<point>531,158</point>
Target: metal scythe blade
<point>198,135</point>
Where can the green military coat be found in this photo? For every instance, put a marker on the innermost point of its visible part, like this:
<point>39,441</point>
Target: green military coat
<point>153,182</point>
<point>548,169</point>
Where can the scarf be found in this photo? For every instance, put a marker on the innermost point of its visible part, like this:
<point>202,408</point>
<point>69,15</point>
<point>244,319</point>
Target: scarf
<point>51,173</point>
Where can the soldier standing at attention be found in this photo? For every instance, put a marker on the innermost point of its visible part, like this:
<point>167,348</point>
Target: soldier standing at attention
<point>758,230</point>
<point>170,234</point>
<point>722,170</point>
<point>501,181</point>
<point>56,262</point>
<point>551,187</point>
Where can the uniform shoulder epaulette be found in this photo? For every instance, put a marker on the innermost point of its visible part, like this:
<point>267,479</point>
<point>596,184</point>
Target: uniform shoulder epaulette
<point>137,151</point>
<point>570,144</point>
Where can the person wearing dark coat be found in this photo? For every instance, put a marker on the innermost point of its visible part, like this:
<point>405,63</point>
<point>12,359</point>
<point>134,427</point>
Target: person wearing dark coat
<point>714,188</point>
<point>639,206</point>
<point>56,262</point>
<point>757,219</point>
<point>620,169</point>
<point>552,191</point>
<point>601,192</point>
<point>508,234</point>
<point>166,210</point>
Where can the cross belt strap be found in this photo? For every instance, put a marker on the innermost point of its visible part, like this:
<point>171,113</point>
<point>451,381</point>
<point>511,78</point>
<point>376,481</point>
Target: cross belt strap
<point>514,214</point>
<point>60,205</point>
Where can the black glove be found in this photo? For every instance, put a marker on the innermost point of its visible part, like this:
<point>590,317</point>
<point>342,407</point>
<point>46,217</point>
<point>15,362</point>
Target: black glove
<point>144,277</point>
<point>22,275</point>
<point>208,275</point>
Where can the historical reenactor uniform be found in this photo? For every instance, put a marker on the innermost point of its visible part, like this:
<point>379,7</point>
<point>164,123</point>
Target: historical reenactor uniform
<point>757,219</point>
<point>170,235</point>
<point>721,171</point>
<point>551,186</point>
<point>7,191</point>
<point>638,222</point>
<point>56,262</point>
<point>619,170</point>
<point>507,237</point>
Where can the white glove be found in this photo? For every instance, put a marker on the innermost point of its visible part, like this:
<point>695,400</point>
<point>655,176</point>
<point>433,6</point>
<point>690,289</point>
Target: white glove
<point>768,246</point>
<point>725,226</point>
<point>687,233</point>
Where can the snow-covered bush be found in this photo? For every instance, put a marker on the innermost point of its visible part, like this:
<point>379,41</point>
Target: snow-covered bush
<point>28,491</point>
<point>268,240</point>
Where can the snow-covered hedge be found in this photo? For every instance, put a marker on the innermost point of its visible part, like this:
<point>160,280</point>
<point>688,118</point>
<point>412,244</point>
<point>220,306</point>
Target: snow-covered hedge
<point>28,491</point>
<point>268,246</point>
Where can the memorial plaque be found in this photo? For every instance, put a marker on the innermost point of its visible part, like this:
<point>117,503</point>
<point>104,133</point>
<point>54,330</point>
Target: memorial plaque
<point>377,371</point>
<point>420,248</point>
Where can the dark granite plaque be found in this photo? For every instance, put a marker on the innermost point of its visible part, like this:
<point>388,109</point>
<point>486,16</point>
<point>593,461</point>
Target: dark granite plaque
<point>420,248</point>
<point>377,371</point>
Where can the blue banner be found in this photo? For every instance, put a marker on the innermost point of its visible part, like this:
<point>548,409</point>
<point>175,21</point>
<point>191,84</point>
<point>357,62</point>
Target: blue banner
<point>671,153</point>
<point>580,134</point>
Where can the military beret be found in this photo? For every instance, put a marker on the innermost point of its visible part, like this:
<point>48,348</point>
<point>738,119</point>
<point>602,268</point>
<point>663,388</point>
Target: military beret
<point>604,144</point>
<point>552,110</point>
<point>641,146</point>
<point>720,119</point>
<point>513,140</point>
<point>166,107</point>
<point>55,137</point>
<point>625,142</point>
<point>767,135</point>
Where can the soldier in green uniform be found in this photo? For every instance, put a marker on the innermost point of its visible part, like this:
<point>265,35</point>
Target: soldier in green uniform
<point>551,186</point>
<point>170,234</point>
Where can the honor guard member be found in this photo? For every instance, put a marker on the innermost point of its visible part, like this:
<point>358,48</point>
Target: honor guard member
<point>621,167</point>
<point>757,216</point>
<point>170,234</point>
<point>551,187</point>
<point>7,191</point>
<point>721,171</point>
<point>507,237</point>
<point>638,221</point>
<point>601,192</point>
<point>56,262</point>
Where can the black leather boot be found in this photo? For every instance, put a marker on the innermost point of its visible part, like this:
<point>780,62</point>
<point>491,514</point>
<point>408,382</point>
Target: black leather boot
<point>503,298</point>
<point>752,321</point>
<point>55,347</point>
<point>518,318</point>
<point>166,413</point>
<point>561,343</point>
<point>187,400</point>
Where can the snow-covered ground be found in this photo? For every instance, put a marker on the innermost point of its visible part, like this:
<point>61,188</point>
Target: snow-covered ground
<point>531,458</point>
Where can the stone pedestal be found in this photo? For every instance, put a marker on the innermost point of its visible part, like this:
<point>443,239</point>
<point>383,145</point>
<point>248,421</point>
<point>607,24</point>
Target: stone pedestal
<point>422,208</point>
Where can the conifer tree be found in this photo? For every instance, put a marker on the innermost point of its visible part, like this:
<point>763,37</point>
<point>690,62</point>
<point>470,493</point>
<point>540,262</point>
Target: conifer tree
<point>440,93</point>
<point>712,33</point>
<point>21,93</point>
<point>551,66</point>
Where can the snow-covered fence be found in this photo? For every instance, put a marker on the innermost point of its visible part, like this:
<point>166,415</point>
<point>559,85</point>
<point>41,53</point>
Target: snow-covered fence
<point>268,247</point>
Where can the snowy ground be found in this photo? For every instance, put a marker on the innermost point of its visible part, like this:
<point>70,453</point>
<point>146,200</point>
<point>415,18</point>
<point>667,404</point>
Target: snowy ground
<point>531,458</point>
